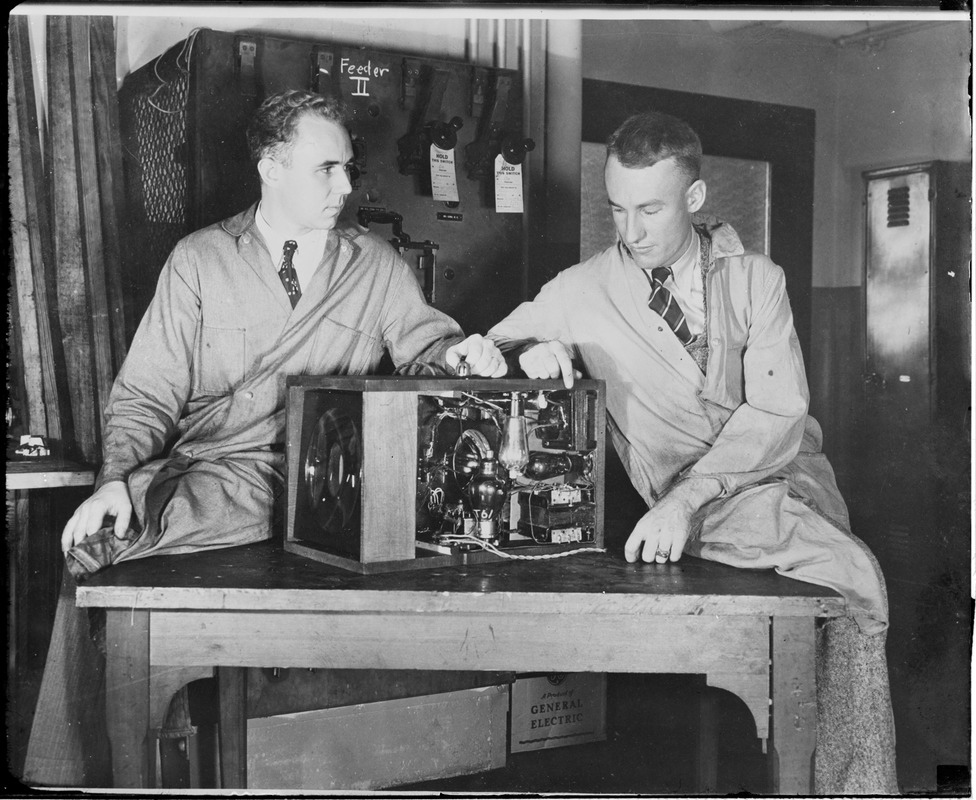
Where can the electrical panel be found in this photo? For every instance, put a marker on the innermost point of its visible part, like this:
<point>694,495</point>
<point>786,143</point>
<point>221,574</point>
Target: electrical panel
<point>183,119</point>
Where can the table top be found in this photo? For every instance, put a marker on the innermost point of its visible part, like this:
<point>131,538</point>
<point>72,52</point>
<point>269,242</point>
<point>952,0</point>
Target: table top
<point>263,577</point>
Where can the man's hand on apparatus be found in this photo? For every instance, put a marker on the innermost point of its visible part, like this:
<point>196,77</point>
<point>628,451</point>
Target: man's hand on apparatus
<point>549,360</point>
<point>110,500</point>
<point>661,534</point>
<point>481,354</point>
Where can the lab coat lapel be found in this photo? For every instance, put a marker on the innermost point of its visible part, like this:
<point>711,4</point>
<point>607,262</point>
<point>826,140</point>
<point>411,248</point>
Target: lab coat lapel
<point>255,254</point>
<point>341,266</point>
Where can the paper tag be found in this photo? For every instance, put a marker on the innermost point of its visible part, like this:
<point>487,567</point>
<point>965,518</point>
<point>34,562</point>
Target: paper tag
<point>443,178</point>
<point>508,186</point>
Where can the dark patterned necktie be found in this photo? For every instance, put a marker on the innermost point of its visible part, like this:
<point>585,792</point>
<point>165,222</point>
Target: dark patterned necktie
<point>289,278</point>
<point>662,303</point>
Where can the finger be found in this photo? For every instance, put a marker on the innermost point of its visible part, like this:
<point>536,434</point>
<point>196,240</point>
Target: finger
<point>632,547</point>
<point>678,548</point>
<point>662,551</point>
<point>68,534</point>
<point>96,516</point>
<point>530,366</point>
<point>565,366</point>
<point>78,529</point>
<point>500,370</point>
<point>122,521</point>
<point>453,355</point>
<point>550,366</point>
<point>474,347</point>
<point>487,362</point>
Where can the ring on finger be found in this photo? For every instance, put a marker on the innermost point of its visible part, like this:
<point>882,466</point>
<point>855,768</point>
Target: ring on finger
<point>662,554</point>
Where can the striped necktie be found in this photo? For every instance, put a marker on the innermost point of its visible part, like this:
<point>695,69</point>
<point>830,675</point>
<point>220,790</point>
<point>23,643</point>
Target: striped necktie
<point>662,303</point>
<point>289,278</point>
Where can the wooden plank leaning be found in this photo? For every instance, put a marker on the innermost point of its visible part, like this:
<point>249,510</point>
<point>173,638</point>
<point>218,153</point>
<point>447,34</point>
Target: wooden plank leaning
<point>24,341</point>
<point>79,68</point>
<point>74,311</point>
<point>110,179</point>
<point>36,219</point>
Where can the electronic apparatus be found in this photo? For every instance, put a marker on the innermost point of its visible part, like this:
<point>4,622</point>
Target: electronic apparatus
<point>408,472</point>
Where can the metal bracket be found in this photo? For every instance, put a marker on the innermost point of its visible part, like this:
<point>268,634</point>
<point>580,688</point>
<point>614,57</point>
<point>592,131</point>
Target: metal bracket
<point>247,56</point>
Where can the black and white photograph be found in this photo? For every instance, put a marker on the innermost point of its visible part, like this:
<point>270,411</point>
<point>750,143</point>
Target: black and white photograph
<point>489,399</point>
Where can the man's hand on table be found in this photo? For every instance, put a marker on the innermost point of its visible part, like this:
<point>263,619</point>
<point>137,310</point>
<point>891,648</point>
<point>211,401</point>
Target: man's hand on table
<point>110,500</point>
<point>661,534</point>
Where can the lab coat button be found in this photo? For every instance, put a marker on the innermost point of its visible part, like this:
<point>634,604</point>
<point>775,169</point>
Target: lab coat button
<point>716,342</point>
<point>246,239</point>
<point>249,395</point>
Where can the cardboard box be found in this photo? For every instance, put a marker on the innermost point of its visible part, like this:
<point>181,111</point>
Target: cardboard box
<point>378,745</point>
<point>558,709</point>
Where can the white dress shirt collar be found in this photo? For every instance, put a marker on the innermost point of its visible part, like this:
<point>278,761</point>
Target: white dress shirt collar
<point>308,256</point>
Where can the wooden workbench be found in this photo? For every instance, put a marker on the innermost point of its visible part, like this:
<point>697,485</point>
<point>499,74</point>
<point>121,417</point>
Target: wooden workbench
<point>174,619</point>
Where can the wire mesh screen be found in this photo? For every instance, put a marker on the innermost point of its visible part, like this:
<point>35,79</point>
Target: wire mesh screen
<point>161,133</point>
<point>154,119</point>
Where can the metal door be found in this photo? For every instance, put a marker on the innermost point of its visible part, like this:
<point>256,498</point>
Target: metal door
<point>898,317</point>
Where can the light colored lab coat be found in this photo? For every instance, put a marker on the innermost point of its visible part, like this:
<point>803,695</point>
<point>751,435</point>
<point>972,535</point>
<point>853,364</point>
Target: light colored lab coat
<point>195,419</point>
<point>743,422</point>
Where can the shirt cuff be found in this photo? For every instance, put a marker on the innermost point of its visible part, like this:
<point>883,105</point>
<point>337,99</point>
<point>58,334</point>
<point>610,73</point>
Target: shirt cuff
<point>723,478</point>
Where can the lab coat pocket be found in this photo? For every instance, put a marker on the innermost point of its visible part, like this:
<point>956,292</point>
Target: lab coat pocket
<point>341,350</point>
<point>220,360</point>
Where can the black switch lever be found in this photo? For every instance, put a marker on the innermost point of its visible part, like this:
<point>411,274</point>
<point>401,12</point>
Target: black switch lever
<point>514,149</point>
<point>444,134</point>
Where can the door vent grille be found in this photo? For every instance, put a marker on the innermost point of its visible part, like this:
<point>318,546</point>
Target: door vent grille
<point>898,207</point>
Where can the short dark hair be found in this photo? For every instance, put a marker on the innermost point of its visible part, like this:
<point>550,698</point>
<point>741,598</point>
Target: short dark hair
<point>271,132</point>
<point>644,139</point>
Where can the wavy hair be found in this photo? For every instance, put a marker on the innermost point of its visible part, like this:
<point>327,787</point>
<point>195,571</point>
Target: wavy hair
<point>271,132</point>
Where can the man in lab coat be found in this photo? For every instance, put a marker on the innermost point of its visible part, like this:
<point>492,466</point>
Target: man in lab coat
<point>193,451</point>
<point>707,407</point>
<point>229,320</point>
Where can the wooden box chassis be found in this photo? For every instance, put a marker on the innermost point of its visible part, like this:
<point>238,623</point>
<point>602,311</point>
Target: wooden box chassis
<point>388,492</point>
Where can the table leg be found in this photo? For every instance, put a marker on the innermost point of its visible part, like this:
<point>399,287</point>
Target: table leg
<point>794,711</point>
<point>232,724</point>
<point>707,741</point>
<point>127,698</point>
<point>164,684</point>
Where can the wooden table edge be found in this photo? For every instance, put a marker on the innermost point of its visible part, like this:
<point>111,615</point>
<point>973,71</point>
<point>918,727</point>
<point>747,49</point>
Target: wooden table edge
<point>421,602</point>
